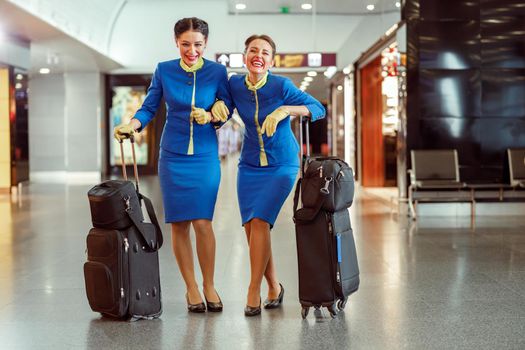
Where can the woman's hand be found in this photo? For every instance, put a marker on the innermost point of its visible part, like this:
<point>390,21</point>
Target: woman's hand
<point>200,115</point>
<point>125,131</point>
<point>270,123</point>
<point>219,111</point>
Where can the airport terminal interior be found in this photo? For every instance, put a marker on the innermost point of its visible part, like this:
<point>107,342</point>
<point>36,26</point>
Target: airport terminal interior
<point>424,101</point>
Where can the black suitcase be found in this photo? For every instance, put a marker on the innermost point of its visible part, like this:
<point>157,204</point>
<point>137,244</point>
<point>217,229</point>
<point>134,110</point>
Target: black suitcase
<point>122,272</point>
<point>327,258</point>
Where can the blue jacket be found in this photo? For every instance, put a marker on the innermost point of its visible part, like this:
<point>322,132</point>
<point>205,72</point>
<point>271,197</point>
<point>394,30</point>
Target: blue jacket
<point>282,148</point>
<point>176,86</point>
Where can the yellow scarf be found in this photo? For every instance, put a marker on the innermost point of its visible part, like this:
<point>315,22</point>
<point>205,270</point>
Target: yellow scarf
<point>256,86</point>
<point>195,67</point>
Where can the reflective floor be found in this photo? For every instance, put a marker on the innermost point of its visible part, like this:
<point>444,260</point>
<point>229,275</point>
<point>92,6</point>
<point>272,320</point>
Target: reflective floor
<point>438,285</point>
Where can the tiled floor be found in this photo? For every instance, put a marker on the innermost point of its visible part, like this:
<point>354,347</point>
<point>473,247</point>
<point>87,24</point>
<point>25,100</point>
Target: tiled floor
<point>438,285</point>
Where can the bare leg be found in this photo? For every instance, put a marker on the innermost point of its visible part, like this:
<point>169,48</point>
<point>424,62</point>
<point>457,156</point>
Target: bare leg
<point>260,251</point>
<point>206,254</point>
<point>181,244</point>
<point>270,273</point>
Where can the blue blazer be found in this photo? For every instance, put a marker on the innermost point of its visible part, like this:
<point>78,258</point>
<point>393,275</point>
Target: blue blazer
<point>282,148</point>
<point>176,86</point>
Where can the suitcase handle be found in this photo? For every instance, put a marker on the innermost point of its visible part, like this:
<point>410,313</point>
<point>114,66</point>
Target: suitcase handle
<point>303,158</point>
<point>135,170</point>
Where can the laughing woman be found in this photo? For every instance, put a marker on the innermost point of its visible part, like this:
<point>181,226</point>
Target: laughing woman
<point>189,168</point>
<point>269,158</point>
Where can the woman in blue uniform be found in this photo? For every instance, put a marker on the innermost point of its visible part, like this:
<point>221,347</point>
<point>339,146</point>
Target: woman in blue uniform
<point>189,169</point>
<point>269,158</point>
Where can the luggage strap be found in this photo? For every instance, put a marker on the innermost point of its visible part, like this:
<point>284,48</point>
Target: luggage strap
<point>152,244</point>
<point>307,214</point>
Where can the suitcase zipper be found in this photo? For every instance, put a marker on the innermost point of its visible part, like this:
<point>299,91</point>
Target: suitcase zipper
<point>330,248</point>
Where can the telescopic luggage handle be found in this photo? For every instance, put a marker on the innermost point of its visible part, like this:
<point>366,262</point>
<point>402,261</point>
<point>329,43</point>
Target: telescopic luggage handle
<point>303,159</point>
<point>135,170</point>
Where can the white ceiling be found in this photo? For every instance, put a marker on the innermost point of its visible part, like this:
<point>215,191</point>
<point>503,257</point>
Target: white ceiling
<point>138,33</point>
<point>326,7</point>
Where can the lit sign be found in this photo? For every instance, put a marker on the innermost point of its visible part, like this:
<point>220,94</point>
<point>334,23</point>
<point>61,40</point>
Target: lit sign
<point>282,60</point>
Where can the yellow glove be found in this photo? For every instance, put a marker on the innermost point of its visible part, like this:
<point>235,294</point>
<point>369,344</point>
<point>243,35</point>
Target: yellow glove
<point>270,123</point>
<point>123,131</point>
<point>220,111</point>
<point>200,115</point>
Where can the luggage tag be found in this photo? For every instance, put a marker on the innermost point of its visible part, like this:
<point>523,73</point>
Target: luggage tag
<point>339,254</point>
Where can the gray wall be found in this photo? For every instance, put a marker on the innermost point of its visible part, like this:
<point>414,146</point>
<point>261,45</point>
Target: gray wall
<point>15,53</point>
<point>65,121</point>
<point>366,33</point>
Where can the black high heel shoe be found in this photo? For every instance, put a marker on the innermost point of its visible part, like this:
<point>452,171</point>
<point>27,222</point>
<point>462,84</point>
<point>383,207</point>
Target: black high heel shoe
<point>214,307</point>
<point>197,308</point>
<point>252,311</point>
<point>275,303</point>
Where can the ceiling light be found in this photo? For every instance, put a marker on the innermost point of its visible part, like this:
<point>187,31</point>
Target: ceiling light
<point>18,85</point>
<point>305,83</point>
<point>306,6</point>
<point>302,88</point>
<point>308,79</point>
<point>370,7</point>
<point>240,6</point>
<point>19,76</point>
<point>340,87</point>
<point>346,70</point>
<point>398,4</point>
<point>330,71</point>
<point>44,70</point>
<point>312,73</point>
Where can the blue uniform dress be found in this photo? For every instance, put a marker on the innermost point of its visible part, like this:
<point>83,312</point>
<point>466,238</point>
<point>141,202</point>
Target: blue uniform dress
<point>189,168</point>
<point>268,166</point>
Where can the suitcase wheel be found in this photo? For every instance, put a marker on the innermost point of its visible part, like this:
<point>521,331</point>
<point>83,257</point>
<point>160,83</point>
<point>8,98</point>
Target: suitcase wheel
<point>341,304</point>
<point>304,311</point>
<point>332,311</point>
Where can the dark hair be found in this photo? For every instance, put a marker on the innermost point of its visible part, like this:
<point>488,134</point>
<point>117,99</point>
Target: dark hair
<point>262,37</point>
<point>191,23</point>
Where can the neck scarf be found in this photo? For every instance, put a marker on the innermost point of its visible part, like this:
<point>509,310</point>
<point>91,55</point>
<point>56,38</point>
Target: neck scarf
<point>195,67</point>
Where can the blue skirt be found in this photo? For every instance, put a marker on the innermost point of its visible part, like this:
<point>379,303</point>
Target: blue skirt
<point>262,190</point>
<point>189,185</point>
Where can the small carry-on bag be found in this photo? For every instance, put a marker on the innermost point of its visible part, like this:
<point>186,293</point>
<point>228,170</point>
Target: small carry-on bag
<point>122,272</point>
<point>327,259</point>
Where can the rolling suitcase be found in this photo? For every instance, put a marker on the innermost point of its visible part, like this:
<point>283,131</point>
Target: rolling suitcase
<point>327,259</point>
<point>122,272</point>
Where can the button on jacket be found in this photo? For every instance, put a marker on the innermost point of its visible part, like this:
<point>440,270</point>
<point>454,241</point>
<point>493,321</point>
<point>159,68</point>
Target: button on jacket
<point>177,87</point>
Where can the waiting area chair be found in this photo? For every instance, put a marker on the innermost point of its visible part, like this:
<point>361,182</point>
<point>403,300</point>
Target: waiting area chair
<point>434,177</point>
<point>516,157</point>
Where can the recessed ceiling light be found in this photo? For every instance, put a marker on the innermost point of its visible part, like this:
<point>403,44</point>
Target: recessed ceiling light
<point>398,4</point>
<point>370,7</point>
<point>312,73</point>
<point>44,70</point>
<point>19,76</point>
<point>340,87</point>
<point>308,79</point>
<point>240,6</point>
<point>306,6</point>
<point>305,83</point>
<point>18,85</point>
<point>346,70</point>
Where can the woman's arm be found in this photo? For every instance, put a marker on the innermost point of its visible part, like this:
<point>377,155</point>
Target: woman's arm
<point>151,103</point>
<point>297,111</point>
<point>301,103</point>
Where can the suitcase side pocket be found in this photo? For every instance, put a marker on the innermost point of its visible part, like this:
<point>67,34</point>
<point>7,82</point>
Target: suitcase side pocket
<point>347,261</point>
<point>100,287</point>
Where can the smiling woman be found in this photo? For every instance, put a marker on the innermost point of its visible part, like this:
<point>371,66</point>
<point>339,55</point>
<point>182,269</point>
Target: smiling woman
<point>188,150</point>
<point>269,158</point>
